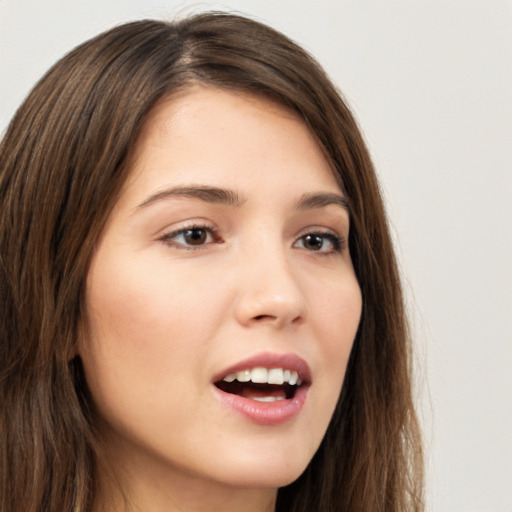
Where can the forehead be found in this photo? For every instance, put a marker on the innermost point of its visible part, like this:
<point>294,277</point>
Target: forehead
<point>225,137</point>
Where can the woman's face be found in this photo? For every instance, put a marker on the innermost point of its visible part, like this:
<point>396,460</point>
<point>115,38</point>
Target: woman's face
<point>225,259</point>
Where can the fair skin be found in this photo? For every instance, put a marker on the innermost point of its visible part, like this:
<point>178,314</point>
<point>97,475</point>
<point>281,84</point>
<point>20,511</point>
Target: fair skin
<point>227,250</point>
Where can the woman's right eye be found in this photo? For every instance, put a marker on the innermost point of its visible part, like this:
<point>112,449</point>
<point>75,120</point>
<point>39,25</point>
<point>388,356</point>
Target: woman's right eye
<point>193,237</point>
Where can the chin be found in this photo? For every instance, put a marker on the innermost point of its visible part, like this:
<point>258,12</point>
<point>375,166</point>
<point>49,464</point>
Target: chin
<point>265,472</point>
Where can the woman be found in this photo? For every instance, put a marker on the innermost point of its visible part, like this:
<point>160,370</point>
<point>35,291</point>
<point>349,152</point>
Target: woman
<point>200,303</point>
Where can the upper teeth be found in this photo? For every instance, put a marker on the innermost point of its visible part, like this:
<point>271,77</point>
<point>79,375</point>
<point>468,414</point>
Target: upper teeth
<point>265,376</point>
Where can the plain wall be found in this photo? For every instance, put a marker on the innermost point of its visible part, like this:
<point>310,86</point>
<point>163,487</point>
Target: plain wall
<point>431,84</point>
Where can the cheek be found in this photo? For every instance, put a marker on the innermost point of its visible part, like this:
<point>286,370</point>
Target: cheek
<point>338,312</point>
<point>147,303</point>
<point>338,319</point>
<point>146,325</point>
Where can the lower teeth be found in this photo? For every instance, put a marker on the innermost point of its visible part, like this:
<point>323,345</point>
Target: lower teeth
<point>268,398</point>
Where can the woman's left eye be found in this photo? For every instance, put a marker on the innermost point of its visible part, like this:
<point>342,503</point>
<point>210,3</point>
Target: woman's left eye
<point>193,237</point>
<point>320,242</point>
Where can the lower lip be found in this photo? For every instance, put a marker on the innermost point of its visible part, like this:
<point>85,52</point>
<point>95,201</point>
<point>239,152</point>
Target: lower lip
<point>265,413</point>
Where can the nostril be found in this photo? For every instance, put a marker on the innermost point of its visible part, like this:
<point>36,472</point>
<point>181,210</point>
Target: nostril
<point>275,319</point>
<point>264,317</point>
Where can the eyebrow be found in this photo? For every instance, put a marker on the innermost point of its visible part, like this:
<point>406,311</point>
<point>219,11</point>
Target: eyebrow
<point>321,200</point>
<point>229,197</point>
<point>202,192</point>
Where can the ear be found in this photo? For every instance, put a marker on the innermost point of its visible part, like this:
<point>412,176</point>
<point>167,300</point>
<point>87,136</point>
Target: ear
<point>77,347</point>
<point>73,352</point>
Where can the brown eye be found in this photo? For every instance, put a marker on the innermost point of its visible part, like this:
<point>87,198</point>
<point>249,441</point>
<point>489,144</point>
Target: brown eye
<point>313,242</point>
<point>195,236</point>
<point>325,243</point>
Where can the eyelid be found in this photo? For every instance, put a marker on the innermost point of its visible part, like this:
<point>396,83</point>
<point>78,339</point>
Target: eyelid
<point>167,237</point>
<point>339,241</point>
<point>335,239</point>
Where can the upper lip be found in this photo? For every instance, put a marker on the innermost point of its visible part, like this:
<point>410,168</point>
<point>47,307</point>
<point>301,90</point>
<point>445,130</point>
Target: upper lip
<point>270,360</point>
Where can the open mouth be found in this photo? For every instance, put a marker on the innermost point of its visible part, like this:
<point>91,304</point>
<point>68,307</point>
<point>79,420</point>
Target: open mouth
<point>262,384</point>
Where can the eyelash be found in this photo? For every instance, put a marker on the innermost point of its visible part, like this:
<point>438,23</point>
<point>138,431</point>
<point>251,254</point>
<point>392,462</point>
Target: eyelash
<point>338,243</point>
<point>209,229</point>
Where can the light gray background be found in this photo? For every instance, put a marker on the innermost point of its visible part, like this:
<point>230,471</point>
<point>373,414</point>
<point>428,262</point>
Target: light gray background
<point>431,84</point>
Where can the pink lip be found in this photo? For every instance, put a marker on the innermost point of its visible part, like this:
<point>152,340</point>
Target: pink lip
<point>267,413</point>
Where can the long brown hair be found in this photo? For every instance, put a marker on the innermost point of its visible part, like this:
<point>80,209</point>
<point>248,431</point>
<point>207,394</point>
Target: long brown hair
<point>63,162</point>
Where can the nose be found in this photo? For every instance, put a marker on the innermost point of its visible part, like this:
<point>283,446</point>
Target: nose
<point>269,291</point>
